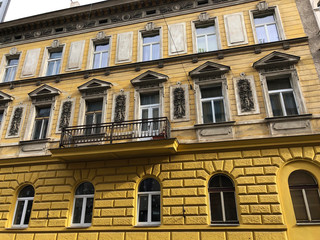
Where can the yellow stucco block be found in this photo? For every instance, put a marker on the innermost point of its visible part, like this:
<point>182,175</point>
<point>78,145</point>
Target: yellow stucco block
<point>123,203</point>
<point>87,236</point>
<point>213,235</point>
<point>185,236</point>
<point>269,198</point>
<point>285,154</point>
<point>196,220</point>
<point>67,236</point>
<point>254,170</point>
<point>52,197</point>
<point>270,235</point>
<point>170,220</point>
<point>172,201</point>
<point>183,174</point>
<point>242,189</point>
<point>272,219</point>
<point>257,189</point>
<point>228,165</point>
<point>125,185</point>
<point>157,236</point>
<point>242,162</point>
<point>38,223</point>
<point>22,236</point>
<point>156,170</point>
<point>266,179</point>
<point>218,165</point>
<point>183,192</point>
<point>251,219</point>
<point>46,236</point>
<point>57,223</point>
<point>308,152</point>
<point>276,208</point>
<point>111,236</point>
<point>182,158</point>
<point>244,209</point>
<point>113,212</point>
<point>194,182</point>
<point>269,152</point>
<point>230,155</point>
<point>260,208</point>
<point>270,170</point>
<point>123,221</point>
<point>296,152</point>
<point>277,161</point>
<point>7,236</point>
<point>124,170</point>
<point>239,235</point>
<point>272,189</point>
<point>195,200</point>
<point>252,153</point>
<point>114,194</point>
<point>192,165</point>
<point>21,169</point>
<point>248,198</point>
<point>55,181</point>
<point>246,180</point>
<point>171,166</point>
<point>261,161</point>
<point>206,156</point>
<point>236,172</point>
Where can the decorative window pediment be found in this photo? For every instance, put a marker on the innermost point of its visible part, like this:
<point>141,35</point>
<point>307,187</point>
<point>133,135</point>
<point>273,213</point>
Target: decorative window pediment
<point>45,91</point>
<point>4,98</point>
<point>209,69</point>
<point>149,78</point>
<point>276,60</point>
<point>94,87</point>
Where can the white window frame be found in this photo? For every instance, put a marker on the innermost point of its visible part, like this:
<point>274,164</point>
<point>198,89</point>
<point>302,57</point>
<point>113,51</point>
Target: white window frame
<point>56,70</point>
<point>83,108</point>
<point>210,83</point>
<point>14,54</point>
<point>23,216</point>
<point>278,22</point>
<point>292,75</point>
<point>316,10</point>
<point>9,69</point>
<point>211,21</point>
<point>103,39</point>
<point>42,133</point>
<point>46,59</point>
<point>83,212</point>
<point>141,35</point>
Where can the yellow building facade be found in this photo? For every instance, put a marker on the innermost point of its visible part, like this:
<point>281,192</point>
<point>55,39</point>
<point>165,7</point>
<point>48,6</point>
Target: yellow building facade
<point>167,120</point>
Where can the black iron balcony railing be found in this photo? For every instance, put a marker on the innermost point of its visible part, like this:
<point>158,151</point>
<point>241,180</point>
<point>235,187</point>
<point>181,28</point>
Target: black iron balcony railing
<point>144,129</point>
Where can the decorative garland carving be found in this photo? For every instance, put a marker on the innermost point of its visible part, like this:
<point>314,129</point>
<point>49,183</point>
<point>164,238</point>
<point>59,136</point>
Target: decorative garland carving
<point>245,94</point>
<point>179,103</point>
<point>120,108</point>
<point>16,120</point>
<point>65,114</point>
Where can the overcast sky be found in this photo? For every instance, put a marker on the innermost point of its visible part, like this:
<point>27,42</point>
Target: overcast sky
<point>25,8</point>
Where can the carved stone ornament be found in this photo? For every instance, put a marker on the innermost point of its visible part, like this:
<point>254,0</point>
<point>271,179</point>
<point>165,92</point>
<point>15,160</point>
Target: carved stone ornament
<point>101,35</point>
<point>16,120</point>
<point>179,103</point>
<point>13,51</point>
<point>120,108</point>
<point>55,44</point>
<point>245,94</point>
<point>149,26</point>
<point>262,6</point>
<point>203,17</point>
<point>65,114</point>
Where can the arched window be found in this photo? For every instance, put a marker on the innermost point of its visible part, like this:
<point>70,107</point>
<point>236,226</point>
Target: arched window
<point>222,200</point>
<point>83,205</point>
<point>304,192</point>
<point>23,207</point>
<point>149,202</point>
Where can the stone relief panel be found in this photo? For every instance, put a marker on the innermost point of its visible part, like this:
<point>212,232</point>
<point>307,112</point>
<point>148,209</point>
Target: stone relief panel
<point>15,122</point>
<point>179,101</point>
<point>65,114</point>
<point>120,106</point>
<point>246,96</point>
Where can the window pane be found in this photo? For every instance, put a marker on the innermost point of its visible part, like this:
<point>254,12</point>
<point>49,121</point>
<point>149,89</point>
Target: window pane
<point>55,55</point>
<point>201,44</point>
<point>219,111</point>
<point>143,208</point>
<point>155,112</point>
<point>77,210</point>
<point>314,203</point>
<point>85,189</point>
<point>44,128</point>
<point>155,210</point>
<point>279,83</point>
<point>205,29</point>
<point>276,105</point>
<point>13,62</point>
<point>230,206</point>
<point>261,34</point>
<point>27,191</point>
<point>89,119</point>
<point>298,205</point>
<point>37,129</point>
<point>273,33</point>
<point>207,112</point>
<point>50,68</point>
<point>98,118</point>
<point>290,103</point>
<point>300,178</point>
<point>210,92</point>
<point>264,19</point>
<point>101,47</point>
<point>96,60</point>
<point>104,59</point>
<point>43,112</point>
<point>216,208</point>
<point>7,76</point>
<point>151,39</point>
<point>28,212</point>
<point>89,208</point>
<point>149,98</point>
<point>94,106</point>
<point>19,211</point>
<point>149,185</point>
<point>212,43</point>
<point>155,51</point>
<point>146,53</point>
<point>57,67</point>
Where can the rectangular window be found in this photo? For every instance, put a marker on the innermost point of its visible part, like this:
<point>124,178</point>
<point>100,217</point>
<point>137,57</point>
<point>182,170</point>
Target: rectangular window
<point>150,108</point>
<point>266,27</point>
<point>212,102</point>
<point>41,122</point>
<point>54,63</point>
<point>282,97</point>
<point>151,46</point>
<point>100,55</point>
<point>11,69</point>
<point>93,116</point>
<point>206,38</point>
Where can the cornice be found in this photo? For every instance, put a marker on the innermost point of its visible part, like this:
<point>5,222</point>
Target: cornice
<point>103,15</point>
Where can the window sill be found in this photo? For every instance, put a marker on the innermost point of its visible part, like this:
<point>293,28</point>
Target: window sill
<point>78,226</point>
<point>140,225</point>
<point>16,228</point>
<point>224,224</point>
<point>286,118</point>
<point>44,140</point>
<point>209,125</point>
<point>308,224</point>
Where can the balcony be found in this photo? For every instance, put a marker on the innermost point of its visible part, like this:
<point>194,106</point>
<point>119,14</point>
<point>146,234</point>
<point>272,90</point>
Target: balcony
<point>108,133</point>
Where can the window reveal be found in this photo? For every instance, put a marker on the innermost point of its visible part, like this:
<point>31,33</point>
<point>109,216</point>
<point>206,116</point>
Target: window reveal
<point>11,69</point>
<point>54,63</point>
<point>41,122</point>
<point>101,55</point>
